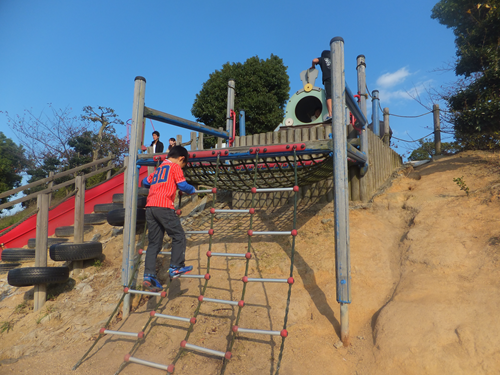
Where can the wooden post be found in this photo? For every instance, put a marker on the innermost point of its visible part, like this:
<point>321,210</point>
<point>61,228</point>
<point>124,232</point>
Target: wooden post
<point>79,219</point>
<point>150,169</point>
<point>130,199</point>
<point>193,141</point>
<point>219,140</point>
<point>386,126</point>
<point>178,140</point>
<point>437,129</point>
<point>361,75</point>
<point>108,175</point>
<point>49,186</point>
<point>230,106</point>
<point>42,233</point>
<point>200,141</point>
<point>341,203</point>
<point>125,166</point>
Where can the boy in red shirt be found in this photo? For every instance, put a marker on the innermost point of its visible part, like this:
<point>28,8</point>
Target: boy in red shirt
<point>161,216</point>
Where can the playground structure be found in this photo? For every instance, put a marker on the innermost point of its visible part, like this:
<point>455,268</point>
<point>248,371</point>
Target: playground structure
<point>330,162</point>
<point>269,168</point>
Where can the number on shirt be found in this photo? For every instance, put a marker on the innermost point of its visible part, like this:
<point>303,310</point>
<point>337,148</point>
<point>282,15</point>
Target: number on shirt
<point>161,174</point>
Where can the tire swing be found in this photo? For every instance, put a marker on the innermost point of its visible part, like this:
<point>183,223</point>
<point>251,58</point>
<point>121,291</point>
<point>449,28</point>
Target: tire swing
<point>75,251</point>
<point>29,276</point>
<point>17,255</point>
<point>6,267</point>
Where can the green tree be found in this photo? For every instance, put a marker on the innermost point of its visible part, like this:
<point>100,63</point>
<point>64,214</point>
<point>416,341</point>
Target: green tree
<point>12,163</point>
<point>427,150</point>
<point>262,90</point>
<point>475,101</point>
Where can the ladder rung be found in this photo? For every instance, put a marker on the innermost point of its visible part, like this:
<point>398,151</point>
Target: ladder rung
<point>132,291</point>
<point>269,190</point>
<point>287,233</point>
<point>210,231</point>
<point>282,333</point>
<point>220,211</point>
<point>226,355</point>
<point>189,276</point>
<point>188,320</point>
<point>246,255</point>
<point>223,301</point>
<point>211,191</point>
<point>168,368</point>
<point>161,252</point>
<point>104,331</point>
<point>246,279</point>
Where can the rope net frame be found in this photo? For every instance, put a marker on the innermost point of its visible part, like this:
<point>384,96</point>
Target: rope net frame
<point>265,172</point>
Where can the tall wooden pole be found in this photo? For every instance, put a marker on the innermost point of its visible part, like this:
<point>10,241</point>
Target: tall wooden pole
<point>230,106</point>
<point>386,126</point>
<point>42,233</point>
<point>130,197</point>
<point>437,129</point>
<point>340,179</point>
<point>363,182</point>
<point>79,218</point>
<point>375,115</point>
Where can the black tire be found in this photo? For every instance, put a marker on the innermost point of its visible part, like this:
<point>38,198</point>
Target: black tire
<point>141,200</point>
<point>95,219</point>
<point>106,207</point>
<point>70,231</point>
<point>143,191</point>
<point>16,255</point>
<point>118,198</point>
<point>117,217</point>
<point>5,267</point>
<point>28,276</point>
<point>50,242</point>
<point>75,251</point>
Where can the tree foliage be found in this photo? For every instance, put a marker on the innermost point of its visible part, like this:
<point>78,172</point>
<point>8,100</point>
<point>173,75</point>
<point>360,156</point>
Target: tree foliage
<point>60,141</point>
<point>12,163</point>
<point>262,90</point>
<point>427,149</point>
<point>475,102</point>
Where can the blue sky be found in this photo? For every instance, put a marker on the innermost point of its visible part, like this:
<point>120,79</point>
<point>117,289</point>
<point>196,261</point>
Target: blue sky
<point>77,53</point>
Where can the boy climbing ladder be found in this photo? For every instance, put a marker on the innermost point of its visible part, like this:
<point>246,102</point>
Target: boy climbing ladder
<point>161,216</point>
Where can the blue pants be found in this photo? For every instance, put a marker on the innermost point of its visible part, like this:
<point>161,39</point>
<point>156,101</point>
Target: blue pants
<point>161,220</point>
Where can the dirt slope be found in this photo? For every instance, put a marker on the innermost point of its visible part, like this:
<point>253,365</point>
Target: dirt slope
<point>425,289</point>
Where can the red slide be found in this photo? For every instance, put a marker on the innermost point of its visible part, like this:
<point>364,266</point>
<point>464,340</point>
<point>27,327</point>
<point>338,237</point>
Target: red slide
<point>64,213</point>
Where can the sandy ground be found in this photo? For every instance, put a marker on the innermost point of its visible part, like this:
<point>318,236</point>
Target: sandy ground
<point>425,262</point>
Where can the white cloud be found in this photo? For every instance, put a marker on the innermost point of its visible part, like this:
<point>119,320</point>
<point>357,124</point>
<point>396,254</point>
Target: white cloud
<point>416,91</point>
<point>392,79</point>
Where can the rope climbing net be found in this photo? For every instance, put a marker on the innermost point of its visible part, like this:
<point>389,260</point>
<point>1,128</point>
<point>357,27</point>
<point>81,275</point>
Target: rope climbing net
<point>253,174</point>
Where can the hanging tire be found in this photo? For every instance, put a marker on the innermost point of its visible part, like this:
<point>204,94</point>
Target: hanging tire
<point>16,255</point>
<point>117,217</point>
<point>117,198</point>
<point>143,191</point>
<point>5,267</point>
<point>50,242</point>
<point>106,207</point>
<point>28,276</point>
<point>70,231</point>
<point>75,251</point>
<point>95,219</point>
<point>141,200</point>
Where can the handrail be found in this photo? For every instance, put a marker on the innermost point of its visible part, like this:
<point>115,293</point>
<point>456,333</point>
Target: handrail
<point>59,175</point>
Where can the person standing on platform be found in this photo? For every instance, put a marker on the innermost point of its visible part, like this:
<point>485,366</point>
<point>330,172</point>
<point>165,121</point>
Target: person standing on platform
<point>172,143</point>
<point>326,70</point>
<point>156,144</point>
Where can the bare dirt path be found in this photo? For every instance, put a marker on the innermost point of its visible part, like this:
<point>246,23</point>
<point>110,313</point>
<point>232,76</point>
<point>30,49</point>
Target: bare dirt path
<point>425,263</point>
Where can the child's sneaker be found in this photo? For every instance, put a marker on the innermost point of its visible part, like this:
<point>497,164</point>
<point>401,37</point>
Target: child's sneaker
<point>328,118</point>
<point>175,272</point>
<point>151,284</point>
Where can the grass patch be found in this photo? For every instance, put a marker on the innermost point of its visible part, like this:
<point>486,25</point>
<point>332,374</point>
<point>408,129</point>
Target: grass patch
<point>20,309</point>
<point>6,326</point>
